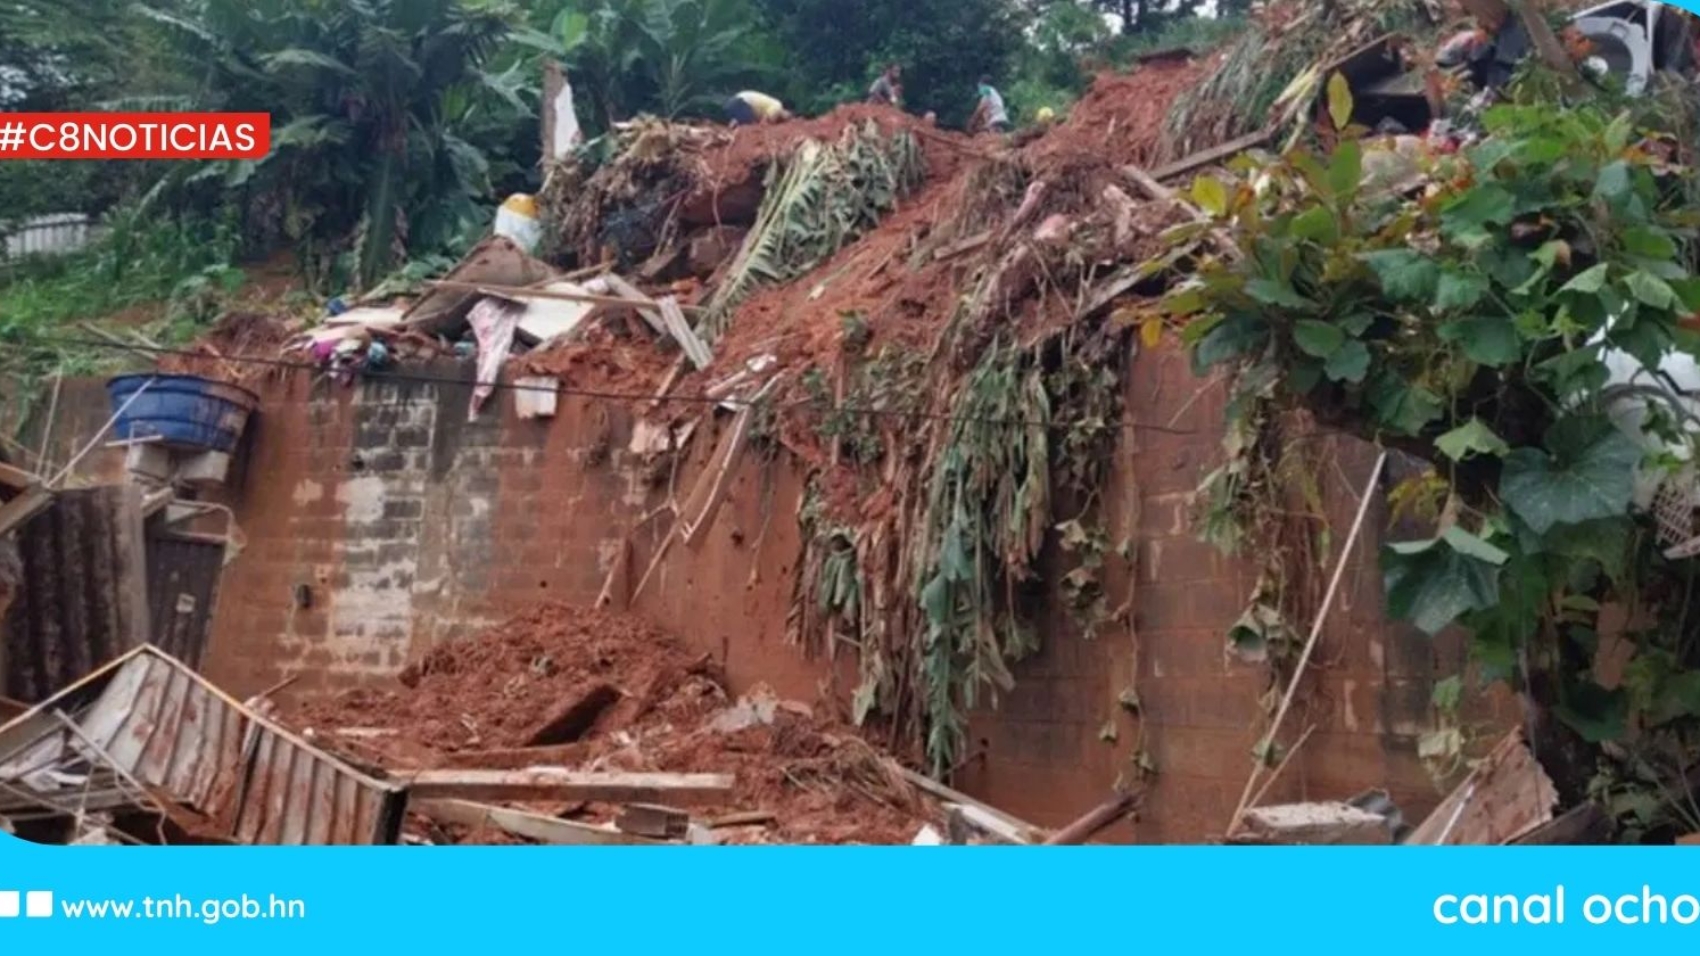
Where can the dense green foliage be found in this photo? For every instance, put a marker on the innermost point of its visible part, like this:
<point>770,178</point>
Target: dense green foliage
<point>1470,326</point>
<point>666,57</point>
<point>398,125</point>
<point>370,104</point>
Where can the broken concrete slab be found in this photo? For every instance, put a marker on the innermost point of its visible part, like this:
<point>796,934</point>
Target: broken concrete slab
<point>1314,824</point>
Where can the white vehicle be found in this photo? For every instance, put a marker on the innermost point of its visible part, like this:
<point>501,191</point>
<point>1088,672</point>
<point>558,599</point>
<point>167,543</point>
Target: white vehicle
<point>1634,39</point>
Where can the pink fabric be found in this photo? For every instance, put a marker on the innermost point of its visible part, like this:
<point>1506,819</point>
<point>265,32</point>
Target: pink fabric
<point>493,321</point>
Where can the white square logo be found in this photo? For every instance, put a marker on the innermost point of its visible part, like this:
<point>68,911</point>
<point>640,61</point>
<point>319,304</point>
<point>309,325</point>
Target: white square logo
<point>8,903</point>
<point>38,904</point>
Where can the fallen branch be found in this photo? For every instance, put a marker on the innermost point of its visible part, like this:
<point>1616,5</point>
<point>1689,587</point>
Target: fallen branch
<point>1095,821</point>
<point>1310,643</point>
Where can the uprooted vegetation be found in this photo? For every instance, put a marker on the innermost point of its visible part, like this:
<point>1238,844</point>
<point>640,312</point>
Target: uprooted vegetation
<point>1489,317</point>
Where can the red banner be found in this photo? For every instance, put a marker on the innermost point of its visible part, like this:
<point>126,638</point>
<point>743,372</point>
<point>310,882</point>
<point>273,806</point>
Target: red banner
<point>135,135</point>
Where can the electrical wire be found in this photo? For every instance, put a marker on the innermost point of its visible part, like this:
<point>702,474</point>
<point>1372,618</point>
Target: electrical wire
<point>50,343</point>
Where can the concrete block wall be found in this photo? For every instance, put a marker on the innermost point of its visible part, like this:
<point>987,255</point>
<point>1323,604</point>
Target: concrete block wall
<point>408,525</point>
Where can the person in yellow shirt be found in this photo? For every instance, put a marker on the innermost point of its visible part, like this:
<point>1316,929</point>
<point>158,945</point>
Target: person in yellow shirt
<point>749,108</point>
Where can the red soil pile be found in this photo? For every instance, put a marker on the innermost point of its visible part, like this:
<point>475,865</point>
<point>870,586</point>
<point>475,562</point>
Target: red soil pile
<point>748,149</point>
<point>603,358</point>
<point>818,778</point>
<point>1120,118</point>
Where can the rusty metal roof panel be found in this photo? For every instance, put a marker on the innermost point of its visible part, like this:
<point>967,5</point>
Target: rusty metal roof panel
<point>81,601</point>
<point>149,717</point>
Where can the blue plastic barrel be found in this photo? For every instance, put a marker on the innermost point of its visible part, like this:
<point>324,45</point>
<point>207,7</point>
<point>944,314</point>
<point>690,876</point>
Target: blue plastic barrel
<point>183,411</point>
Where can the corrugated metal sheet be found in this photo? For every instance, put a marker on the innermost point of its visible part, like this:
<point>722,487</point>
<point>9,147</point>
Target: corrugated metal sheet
<point>151,717</point>
<point>82,600</point>
<point>183,577</point>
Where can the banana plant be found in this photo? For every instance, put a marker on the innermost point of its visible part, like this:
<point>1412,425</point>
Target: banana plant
<point>372,103</point>
<point>666,57</point>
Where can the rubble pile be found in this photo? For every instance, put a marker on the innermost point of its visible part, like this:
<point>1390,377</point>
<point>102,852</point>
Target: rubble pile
<point>489,700</point>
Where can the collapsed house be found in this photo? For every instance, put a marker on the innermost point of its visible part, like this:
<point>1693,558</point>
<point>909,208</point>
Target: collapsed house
<point>859,413</point>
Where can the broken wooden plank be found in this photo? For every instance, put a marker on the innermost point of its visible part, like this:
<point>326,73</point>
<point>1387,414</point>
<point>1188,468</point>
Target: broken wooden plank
<point>32,502</point>
<point>618,580</point>
<point>1329,823</point>
<point>700,508</point>
<point>964,821</point>
<point>525,824</point>
<point>653,820</point>
<point>1505,797</point>
<point>1213,155</point>
<point>16,478</point>
<point>574,718</point>
<point>553,783</point>
<point>631,295</point>
<point>673,318</point>
<point>926,784</point>
<point>667,383</point>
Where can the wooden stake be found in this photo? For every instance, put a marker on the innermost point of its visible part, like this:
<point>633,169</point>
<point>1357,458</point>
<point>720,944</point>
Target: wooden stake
<point>1310,643</point>
<point>54,483</point>
<point>550,783</point>
<point>1286,758</point>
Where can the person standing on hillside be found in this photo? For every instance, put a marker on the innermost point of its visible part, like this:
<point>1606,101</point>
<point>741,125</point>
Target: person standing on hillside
<point>749,108</point>
<point>888,89</point>
<point>990,114</point>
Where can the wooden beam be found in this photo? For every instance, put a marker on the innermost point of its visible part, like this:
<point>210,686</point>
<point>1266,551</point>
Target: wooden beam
<point>554,783</point>
<point>930,786</point>
<point>32,502</point>
<point>1213,155</point>
<point>16,478</point>
<point>694,348</point>
<point>520,294</point>
<point>525,824</point>
<point>965,819</point>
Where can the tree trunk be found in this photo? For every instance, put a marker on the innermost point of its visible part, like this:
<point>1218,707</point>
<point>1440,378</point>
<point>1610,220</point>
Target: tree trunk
<point>1541,35</point>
